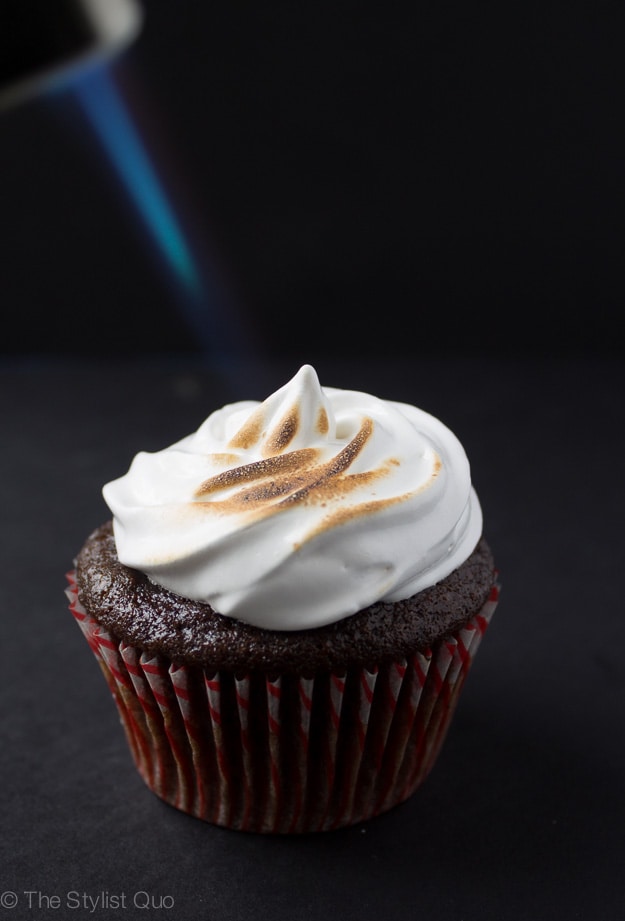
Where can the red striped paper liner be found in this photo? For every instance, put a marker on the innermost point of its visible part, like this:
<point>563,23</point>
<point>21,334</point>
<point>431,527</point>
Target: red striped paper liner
<point>242,692</point>
<point>304,693</point>
<point>354,747</point>
<point>284,753</point>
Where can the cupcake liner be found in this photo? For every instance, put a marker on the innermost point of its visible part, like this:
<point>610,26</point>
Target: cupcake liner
<point>285,753</point>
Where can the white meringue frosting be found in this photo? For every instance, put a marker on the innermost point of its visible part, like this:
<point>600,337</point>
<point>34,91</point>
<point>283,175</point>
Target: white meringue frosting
<point>301,510</point>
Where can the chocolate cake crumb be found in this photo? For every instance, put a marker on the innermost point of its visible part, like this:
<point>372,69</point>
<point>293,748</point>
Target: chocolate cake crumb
<point>159,622</point>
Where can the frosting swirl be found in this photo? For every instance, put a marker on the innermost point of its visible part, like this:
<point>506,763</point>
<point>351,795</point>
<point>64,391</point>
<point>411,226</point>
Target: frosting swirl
<point>300,510</point>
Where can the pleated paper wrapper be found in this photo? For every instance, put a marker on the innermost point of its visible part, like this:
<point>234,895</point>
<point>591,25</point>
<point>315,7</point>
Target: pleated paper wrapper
<point>284,754</point>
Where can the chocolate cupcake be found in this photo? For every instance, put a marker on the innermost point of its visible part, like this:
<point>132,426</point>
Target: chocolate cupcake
<point>285,606</point>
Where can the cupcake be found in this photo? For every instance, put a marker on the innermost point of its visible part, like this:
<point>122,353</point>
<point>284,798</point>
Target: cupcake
<point>285,605</point>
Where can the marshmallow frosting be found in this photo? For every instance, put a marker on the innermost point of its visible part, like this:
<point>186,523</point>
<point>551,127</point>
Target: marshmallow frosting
<point>301,510</point>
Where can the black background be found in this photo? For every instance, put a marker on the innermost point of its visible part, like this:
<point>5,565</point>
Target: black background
<point>411,179</point>
<point>426,202</point>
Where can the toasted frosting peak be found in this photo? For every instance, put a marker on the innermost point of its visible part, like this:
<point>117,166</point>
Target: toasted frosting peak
<point>300,510</point>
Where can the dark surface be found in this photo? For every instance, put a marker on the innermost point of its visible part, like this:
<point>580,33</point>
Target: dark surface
<point>522,817</point>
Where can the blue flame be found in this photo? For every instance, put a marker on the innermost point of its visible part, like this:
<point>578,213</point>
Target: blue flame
<point>105,110</point>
